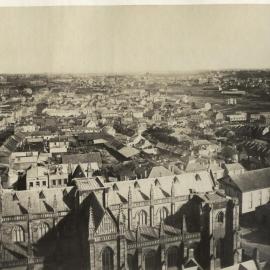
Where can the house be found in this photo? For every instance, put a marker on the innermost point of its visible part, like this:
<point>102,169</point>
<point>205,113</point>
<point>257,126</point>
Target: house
<point>37,177</point>
<point>233,169</point>
<point>159,171</point>
<point>252,188</point>
<point>237,117</point>
<point>57,176</point>
<point>205,147</point>
<point>58,146</point>
<point>90,157</point>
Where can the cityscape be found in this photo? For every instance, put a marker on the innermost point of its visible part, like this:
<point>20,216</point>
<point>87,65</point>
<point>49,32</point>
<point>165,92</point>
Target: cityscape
<point>135,170</point>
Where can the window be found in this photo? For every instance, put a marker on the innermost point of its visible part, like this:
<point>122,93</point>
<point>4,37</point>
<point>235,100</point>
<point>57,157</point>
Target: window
<point>59,182</point>
<point>107,259</point>
<point>220,217</point>
<point>142,218</point>
<point>197,177</point>
<point>260,197</point>
<point>65,181</point>
<point>43,183</point>
<point>250,200</point>
<point>42,229</point>
<point>173,258</point>
<point>54,182</point>
<point>162,213</point>
<point>151,262</point>
<point>30,184</point>
<point>38,183</point>
<point>17,234</point>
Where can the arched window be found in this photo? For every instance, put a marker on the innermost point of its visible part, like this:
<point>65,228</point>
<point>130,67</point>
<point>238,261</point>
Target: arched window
<point>151,261</point>
<point>132,262</point>
<point>17,234</point>
<point>162,214</point>
<point>107,259</point>
<point>220,217</point>
<point>42,229</point>
<point>142,218</point>
<point>173,258</point>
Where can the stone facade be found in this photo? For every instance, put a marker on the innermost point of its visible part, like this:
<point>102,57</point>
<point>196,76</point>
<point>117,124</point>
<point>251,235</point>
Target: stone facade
<point>143,224</point>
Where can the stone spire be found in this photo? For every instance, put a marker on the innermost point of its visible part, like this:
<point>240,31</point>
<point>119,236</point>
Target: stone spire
<point>54,203</point>
<point>161,229</point>
<point>91,224</point>
<point>29,205</point>
<point>129,196</point>
<point>184,224</point>
<point>173,189</point>
<point>121,219</point>
<point>152,193</point>
<point>138,234</point>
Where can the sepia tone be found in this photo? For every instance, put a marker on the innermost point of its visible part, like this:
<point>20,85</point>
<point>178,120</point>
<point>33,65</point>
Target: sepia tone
<point>135,137</point>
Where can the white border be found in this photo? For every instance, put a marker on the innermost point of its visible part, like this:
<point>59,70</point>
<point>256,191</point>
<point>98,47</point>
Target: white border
<point>26,3</point>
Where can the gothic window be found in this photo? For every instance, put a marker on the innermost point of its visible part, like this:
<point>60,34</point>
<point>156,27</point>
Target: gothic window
<point>162,213</point>
<point>132,263</point>
<point>107,259</point>
<point>17,234</point>
<point>142,218</point>
<point>43,229</point>
<point>220,217</point>
<point>151,261</point>
<point>172,258</point>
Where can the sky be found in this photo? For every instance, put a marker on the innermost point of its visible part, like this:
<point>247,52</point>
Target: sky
<point>131,39</point>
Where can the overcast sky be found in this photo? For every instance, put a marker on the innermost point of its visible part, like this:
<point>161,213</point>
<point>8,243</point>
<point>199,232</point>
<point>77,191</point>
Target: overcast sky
<point>133,39</point>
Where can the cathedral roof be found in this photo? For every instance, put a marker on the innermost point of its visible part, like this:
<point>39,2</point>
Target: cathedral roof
<point>140,189</point>
<point>40,201</point>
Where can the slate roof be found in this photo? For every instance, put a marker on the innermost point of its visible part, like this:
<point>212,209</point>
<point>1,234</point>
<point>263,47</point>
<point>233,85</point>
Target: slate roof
<point>248,265</point>
<point>183,183</point>
<point>234,166</point>
<point>82,158</point>
<point>16,202</point>
<point>158,171</point>
<point>251,180</point>
<point>128,151</point>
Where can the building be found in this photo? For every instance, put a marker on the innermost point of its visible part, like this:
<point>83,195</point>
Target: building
<point>237,117</point>
<point>252,188</point>
<point>233,169</point>
<point>156,223</point>
<point>37,177</point>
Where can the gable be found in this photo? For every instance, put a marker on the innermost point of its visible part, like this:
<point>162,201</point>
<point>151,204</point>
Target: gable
<point>78,172</point>
<point>106,225</point>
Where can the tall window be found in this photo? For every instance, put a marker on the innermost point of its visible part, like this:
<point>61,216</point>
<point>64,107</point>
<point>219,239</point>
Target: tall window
<point>173,258</point>
<point>250,200</point>
<point>151,261</point>
<point>107,259</point>
<point>162,213</point>
<point>17,234</point>
<point>220,217</point>
<point>142,218</point>
<point>260,197</point>
<point>43,229</point>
